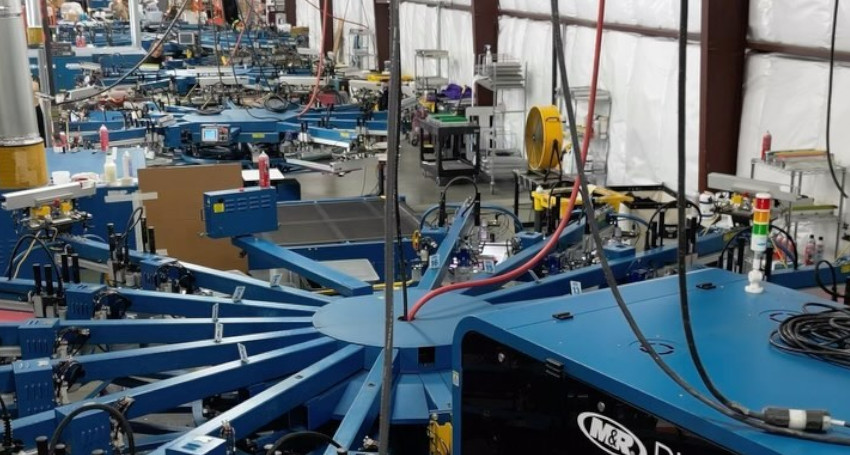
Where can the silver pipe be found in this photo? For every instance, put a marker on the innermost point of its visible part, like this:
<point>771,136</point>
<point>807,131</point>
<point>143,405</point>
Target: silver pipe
<point>33,13</point>
<point>135,24</point>
<point>18,125</point>
<point>393,144</point>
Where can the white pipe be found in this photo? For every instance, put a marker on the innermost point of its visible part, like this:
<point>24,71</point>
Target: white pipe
<point>135,23</point>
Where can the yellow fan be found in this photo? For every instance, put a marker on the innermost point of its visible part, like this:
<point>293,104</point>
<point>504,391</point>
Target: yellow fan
<point>544,137</point>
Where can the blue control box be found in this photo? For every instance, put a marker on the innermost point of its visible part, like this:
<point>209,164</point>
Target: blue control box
<point>235,213</point>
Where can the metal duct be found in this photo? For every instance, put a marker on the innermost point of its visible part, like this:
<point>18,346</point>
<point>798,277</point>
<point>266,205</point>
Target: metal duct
<point>22,159</point>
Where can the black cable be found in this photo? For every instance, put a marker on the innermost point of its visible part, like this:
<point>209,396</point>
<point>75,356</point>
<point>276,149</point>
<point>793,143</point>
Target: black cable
<point>280,106</point>
<point>793,243</point>
<point>133,221</point>
<point>458,179</point>
<point>247,23</point>
<point>258,60</point>
<point>156,45</point>
<point>210,111</point>
<point>666,206</point>
<point>829,100</point>
<point>235,78</point>
<point>824,335</point>
<point>752,419</point>
<point>681,265</point>
<point>122,422</point>
<point>834,292</point>
<point>8,439</point>
<point>746,230</point>
<point>44,247</point>
<point>321,437</point>
<point>729,243</point>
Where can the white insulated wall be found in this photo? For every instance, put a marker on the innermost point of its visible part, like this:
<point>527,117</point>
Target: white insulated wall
<point>641,75</point>
<point>639,72</point>
<point>428,27</point>
<point>787,96</point>
<point>354,14</point>
<point>357,14</point>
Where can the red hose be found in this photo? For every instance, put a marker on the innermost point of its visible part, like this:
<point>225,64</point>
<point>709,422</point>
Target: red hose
<point>321,65</point>
<point>553,239</point>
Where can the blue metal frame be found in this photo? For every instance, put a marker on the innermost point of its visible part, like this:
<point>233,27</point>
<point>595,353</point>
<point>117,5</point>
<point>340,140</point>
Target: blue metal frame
<point>305,349</point>
<point>267,255</point>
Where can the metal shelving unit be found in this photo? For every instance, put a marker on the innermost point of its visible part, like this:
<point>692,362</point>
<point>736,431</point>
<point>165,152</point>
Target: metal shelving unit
<point>596,166</point>
<point>360,53</point>
<point>796,169</point>
<point>500,152</point>
<point>431,69</point>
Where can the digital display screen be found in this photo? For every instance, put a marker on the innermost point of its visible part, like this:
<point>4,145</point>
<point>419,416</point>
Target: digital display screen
<point>209,135</point>
<point>186,38</point>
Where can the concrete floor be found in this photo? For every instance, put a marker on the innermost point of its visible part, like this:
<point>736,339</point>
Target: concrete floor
<point>420,192</point>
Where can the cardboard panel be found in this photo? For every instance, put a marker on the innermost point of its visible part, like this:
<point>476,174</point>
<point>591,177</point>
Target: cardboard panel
<point>176,212</point>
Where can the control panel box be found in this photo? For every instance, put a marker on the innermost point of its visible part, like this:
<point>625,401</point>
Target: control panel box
<point>236,213</point>
<point>215,134</point>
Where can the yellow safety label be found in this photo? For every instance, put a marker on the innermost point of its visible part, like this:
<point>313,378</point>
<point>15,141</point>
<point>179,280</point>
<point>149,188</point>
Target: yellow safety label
<point>845,268</point>
<point>218,207</point>
<point>345,134</point>
<point>258,135</point>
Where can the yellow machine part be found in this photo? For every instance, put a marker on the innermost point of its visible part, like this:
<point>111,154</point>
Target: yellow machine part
<point>440,438</point>
<point>544,137</point>
<point>23,167</point>
<point>430,105</point>
<point>35,36</point>
<point>544,200</point>
<point>385,77</point>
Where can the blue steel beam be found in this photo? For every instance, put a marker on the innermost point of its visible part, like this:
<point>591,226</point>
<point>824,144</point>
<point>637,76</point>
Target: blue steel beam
<point>433,277</point>
<point>169,393</point>
<point>276,256</point>
<point>410,406</point>
<point>281,398</point>
<point>133,362</point>
<point>364,410</point>
<point>194,306</point>
<point>217,280</point>
<point>438,389</point>
<point>592,275</point>
<point>123,331</point>
<point>370,250</point>
<point>17,287</point>
<point>137,362</point>
<point>205,277</point>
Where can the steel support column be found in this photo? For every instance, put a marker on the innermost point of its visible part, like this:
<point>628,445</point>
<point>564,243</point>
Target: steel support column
<point>289,10</point>
<point>382,32</point>
<point>724,44</point>
<point>329,30</point>
<point>485,31</point>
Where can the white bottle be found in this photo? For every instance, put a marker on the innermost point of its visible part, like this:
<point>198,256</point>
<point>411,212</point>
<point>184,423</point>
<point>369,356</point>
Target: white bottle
<point>819,250</point>
<point>109,171</point>
<point>127,168</point>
